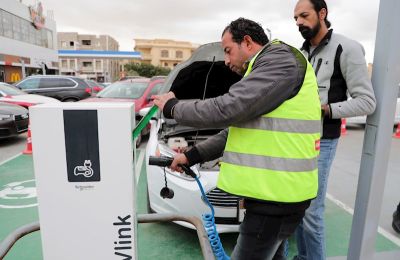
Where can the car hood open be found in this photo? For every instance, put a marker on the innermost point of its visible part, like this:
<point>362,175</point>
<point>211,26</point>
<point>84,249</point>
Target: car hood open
<point>188,79</point>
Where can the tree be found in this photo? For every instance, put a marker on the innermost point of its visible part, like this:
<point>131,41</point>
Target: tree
<point>146,70</point>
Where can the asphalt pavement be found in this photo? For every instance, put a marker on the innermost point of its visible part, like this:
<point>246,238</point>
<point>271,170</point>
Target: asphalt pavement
<point>12,147</point>
<point>343,179</point>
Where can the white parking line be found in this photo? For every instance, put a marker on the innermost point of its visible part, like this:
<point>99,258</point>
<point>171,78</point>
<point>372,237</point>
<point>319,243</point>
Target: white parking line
<point>348,209</point>
<point>9,159</point>
<point>139,164</point>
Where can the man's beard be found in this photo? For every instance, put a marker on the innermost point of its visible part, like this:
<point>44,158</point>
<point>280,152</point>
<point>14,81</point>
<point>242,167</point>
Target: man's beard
<point>309,33</point>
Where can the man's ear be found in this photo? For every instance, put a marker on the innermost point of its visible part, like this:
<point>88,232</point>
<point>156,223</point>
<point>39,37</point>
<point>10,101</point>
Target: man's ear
<point>248,41</point>
<point>322,14</point>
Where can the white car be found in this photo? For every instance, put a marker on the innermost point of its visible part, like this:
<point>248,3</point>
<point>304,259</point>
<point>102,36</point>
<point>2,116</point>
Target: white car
<point>363,119</point>
<point>187,81</point>
<point>13,95</point>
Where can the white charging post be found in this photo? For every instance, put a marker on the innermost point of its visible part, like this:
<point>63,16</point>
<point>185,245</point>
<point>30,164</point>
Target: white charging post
<point>83,157</point>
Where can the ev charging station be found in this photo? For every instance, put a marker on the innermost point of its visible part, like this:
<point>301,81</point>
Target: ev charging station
<point>84,168</point>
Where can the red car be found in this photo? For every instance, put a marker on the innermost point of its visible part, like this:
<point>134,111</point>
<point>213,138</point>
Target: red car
<point>138,91</point>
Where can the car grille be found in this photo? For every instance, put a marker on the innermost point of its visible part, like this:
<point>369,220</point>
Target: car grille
<point>21,117</point>
<point>21,122</point>
<point>219,198</point>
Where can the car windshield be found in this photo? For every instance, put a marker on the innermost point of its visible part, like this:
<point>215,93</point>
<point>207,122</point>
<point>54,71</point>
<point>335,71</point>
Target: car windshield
<point>124,89</point>
<point>11,90</point>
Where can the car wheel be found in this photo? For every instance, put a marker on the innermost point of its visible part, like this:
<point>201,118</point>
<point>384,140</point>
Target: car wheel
<point>70,100</point>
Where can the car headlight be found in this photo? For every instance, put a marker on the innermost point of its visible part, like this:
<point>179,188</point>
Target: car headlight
<point>166,151</point>
<point>5,117</point>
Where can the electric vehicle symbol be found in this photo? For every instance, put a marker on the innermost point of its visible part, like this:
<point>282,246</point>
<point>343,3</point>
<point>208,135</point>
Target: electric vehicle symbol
<point>85,170</point>
<point>20,194</point>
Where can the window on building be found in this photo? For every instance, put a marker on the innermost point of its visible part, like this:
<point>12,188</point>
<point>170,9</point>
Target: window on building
<point>164,53</point>
<point>38,37</point>
<point>179,54</point>
<point>32,34</point>
<point>98,64</point>
<point>16,26</point>
<point>25,30</point>
<point>175,64</point>
<point>87,64</point>
<point>50,39</point>
<point>86,42</point>
<point>71,44</point>
<point>44,42</point>
<point>1,23</point>
<point>165,64</point>
<point>72,64</point>
<point>64,64</point>
<point>7,24</point>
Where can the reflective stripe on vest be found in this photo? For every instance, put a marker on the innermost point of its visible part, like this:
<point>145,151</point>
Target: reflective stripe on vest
<point>274,157</point>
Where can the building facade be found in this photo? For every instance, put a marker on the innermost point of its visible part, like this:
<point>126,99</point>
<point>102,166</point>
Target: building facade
<point>89,56</point>
<point>28,41</point>
<point>164,52</point>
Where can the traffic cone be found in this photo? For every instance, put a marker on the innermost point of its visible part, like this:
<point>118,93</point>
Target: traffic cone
<point>397,133</point>
<point>28,149</point>
<point>343,130</point>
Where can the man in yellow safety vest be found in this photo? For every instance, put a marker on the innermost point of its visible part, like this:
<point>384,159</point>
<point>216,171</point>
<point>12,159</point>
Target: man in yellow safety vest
<point>271,144</point>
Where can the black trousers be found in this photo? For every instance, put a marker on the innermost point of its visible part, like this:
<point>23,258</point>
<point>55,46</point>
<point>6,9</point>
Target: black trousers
<point>261,236</point>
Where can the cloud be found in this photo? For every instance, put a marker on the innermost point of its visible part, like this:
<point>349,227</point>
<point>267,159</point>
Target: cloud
<point>203,21</point>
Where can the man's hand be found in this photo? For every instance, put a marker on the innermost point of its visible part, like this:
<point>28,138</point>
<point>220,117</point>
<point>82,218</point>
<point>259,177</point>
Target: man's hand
<point>180,158</point>
<point>160,100</point>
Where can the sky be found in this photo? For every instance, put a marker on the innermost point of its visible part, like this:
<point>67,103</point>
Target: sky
<point>202,21</point>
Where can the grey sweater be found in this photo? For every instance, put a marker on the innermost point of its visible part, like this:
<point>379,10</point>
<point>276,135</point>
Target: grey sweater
<point>341,70</point>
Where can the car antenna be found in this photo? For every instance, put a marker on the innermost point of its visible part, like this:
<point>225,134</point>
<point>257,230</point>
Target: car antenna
<point>204,92</point>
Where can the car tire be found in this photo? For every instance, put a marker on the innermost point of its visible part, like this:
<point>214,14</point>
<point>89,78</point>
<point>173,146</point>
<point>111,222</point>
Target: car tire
<point>70,100</point>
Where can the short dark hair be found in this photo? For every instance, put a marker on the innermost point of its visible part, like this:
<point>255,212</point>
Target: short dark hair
<point>318,5</point>
<point>241,27</point>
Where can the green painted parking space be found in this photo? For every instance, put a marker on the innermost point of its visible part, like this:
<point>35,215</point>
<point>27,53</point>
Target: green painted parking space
<point>158,240</point>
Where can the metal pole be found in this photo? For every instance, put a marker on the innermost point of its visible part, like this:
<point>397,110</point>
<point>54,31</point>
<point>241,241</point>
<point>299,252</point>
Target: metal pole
<point>205,246</point>
<point>43,68</point>
<point>378,134</point>
<point>23,68</point>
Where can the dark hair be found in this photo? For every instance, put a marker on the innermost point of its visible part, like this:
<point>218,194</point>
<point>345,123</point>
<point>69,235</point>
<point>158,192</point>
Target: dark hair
<point>318,5</point>
<point>241,27</point>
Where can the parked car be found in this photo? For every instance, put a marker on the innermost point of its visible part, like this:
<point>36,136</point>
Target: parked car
<point>137,90</point>
<point>13,95</point>
<point>167,137</point>
<point>14,120</point>
<point>96,87</point>
<point>63,88</point>
<point>363,119</point>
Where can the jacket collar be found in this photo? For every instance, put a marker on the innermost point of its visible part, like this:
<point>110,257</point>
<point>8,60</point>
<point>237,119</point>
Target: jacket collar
<point>306,45</point>
<point>247,62</point>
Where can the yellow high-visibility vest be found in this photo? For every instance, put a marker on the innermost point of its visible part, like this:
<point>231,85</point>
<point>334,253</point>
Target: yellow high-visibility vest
<point>275,156</point>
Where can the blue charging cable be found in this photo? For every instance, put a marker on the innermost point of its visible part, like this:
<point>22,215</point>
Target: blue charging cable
<point>211,229</point>
<point>208,219</point>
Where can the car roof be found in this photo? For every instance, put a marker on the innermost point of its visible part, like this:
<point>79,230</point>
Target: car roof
<point>136,80</point>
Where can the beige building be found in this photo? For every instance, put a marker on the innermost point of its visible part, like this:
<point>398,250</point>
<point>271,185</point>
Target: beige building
<point>89,56</point>
<point>163,52</point>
